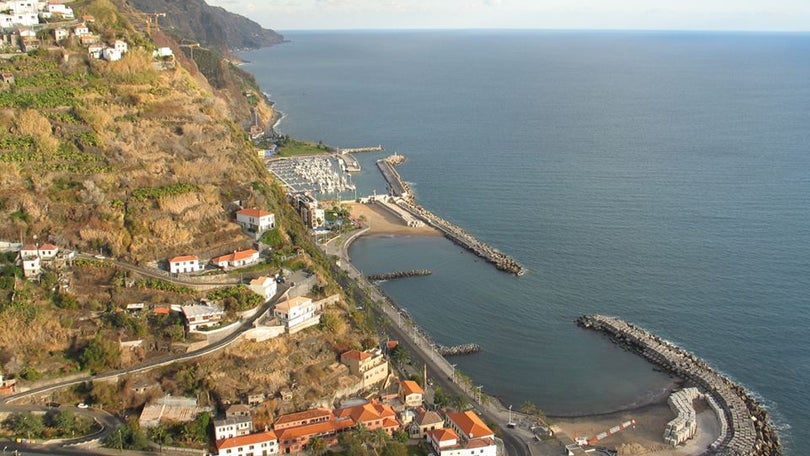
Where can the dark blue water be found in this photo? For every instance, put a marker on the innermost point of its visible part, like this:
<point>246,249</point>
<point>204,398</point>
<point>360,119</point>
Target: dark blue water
<point>660,177</point>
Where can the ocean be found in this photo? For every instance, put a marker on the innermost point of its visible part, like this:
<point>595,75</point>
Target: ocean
<point>658,176</point>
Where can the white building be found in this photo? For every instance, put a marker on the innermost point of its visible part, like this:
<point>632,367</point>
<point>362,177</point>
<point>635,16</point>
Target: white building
<point>232,427</point>
<point>162,53</point>
<point>259,444</point>
<point>256,220</point>
<point>237,259</point>
<point>466,435</point>
<point>184,263</point>
<point>31,266</point>
<point>111,54</point>
<point>60,34</point>
<point>81,30</point>
<point>265,287</point>
<point>57,9</point>
<point>95,50</point>
<point>201,316</point>
<point>297,313</point>
<point>121,46</point>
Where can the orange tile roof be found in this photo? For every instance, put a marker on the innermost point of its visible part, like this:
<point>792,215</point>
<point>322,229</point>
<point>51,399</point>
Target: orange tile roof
<point>470,424</point>
<point>161,310</point>
<point>309,430</point>
<point>48,247</point>
<point>293,303</point>
<point>366,412</point>
<point>356,354</point>
<point>391,344</point>
<point>233,442</point>
<point>236,256</point>
<point>442,435</point>
<point>411,387</point>
<point>178,259</point>
<point>254,213</point>
<point>305,415</point>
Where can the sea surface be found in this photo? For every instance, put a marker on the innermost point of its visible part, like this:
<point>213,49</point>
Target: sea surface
<point>660,177</point>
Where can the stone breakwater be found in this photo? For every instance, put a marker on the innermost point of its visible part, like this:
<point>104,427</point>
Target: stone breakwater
<point>746,429</point>
<point>455,350</point>
<point>400,274</point>
<point>401,191</point>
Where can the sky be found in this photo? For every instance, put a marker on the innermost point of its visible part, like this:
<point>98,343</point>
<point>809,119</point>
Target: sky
<point>751,15</point>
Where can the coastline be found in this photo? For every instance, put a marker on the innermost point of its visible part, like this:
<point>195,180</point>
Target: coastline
<point>382,223</point>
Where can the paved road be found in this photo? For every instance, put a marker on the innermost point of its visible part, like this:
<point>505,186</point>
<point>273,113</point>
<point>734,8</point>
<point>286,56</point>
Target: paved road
<point>420,349</point>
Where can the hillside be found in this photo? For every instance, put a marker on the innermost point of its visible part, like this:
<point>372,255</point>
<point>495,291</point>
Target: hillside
<point>210,26</point>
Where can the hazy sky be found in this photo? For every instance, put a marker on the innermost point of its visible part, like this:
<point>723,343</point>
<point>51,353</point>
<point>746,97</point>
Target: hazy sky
<point>526,14</point>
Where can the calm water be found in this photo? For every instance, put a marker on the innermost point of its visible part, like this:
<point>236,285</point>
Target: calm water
<point>660,177</point>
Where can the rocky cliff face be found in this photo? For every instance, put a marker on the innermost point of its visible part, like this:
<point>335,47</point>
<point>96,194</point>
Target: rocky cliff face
<point>211,26</point>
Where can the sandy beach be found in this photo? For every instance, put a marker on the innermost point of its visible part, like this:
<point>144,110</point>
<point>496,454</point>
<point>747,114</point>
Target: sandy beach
<point>382,222</point>
<point>646,437</point>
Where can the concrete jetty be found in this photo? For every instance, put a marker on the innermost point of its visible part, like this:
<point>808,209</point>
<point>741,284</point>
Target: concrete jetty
<point>746,429</point>
<point>403,197</point>
<point>400,274</point>
<point>377,148</point>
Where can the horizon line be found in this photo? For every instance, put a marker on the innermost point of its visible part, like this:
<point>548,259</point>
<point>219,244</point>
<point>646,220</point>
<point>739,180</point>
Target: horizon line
<point>567,30</point>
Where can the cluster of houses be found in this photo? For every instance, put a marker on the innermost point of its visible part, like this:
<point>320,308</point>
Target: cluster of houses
<point>33,258</point>
<point>447,433</point>
<point>308,208</point>
<point>256,221</point>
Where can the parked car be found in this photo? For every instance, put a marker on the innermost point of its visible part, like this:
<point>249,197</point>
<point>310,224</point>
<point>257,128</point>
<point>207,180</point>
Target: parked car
<point>82,405</point>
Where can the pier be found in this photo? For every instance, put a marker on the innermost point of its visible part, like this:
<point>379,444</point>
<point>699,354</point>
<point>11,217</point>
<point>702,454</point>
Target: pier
<point>400,274</point>
<point>404,198</point>
<point>746,429</point>
<point>355,150</point>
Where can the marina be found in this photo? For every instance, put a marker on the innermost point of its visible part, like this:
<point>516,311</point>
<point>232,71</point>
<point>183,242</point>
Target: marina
<point>322,174</point>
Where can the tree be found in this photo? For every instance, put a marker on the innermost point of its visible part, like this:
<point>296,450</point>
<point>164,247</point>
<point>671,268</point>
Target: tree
<point>440,397</point>
<point>528,408</point>
<point>100,354</point>
<point>395,449</point>
<point>317,446</point>
<point>379,439</point>
<point>25,424</point>
<point>401,436</point>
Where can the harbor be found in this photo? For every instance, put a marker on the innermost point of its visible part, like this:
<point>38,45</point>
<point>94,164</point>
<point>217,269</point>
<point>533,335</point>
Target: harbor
<point>745,428</point>
<point>320,174</point>
<point>403,197</point>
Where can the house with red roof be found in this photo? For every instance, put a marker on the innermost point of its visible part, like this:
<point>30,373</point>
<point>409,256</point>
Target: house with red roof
<point>258,444</point>
<point>466,434</point>
<point>372,416</point>
<point>256,220</point>
<point>425,420</point>
<point>410,393</point>
<point>184,263</point>
<point>370,366</point>
<point>237,259</point>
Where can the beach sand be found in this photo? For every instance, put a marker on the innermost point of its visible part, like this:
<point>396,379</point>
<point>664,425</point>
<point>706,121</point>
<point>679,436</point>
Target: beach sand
<point>382,222</point>
<point>646,437</point>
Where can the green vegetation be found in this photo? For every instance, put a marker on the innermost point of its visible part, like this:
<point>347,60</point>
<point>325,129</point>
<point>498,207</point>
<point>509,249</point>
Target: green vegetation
<point>54,424</point>
<point>273,238</point>
<point>290,147</point>
<point>192,434</point>
<point>236,299</point>
<point>163,285</point>
<point>129,436</point>
<point>168,190</point>
<point>100,354</point>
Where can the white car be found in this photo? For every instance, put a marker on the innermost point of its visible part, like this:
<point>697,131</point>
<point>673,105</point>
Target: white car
<point>82,405</point>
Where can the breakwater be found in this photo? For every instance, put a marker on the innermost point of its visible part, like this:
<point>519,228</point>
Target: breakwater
<point>455,350</point>
<point>746,429</point>
<point>355,150</point>
<point>404,198</point>
<point>400,274</point>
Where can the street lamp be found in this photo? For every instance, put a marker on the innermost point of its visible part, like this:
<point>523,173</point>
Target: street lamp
<point>454,372</point>
<point>510,415</point>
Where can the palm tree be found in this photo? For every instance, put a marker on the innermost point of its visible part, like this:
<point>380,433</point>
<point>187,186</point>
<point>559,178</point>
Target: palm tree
<point>317,446</point>
<point>378,439</point>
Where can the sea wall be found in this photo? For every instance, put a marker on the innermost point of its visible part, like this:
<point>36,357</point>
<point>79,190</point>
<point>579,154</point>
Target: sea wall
<point>747,430</point>
<point>404,198</point>
<point>400,274</point>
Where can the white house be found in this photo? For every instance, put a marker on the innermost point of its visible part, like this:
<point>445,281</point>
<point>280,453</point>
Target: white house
<point>264,286</point>
<point>121,46</point>
<point>184,263</point>
<point>57,9</point>
<point>81,30</point>
<point>256,220</point>
<point>466,435</point>
<point>259,444</point>
<point>297,313</point>
<point>95,50</point>
<point>111,54</point>
<point>232,427</point>
<point>31,266</point>
<point>60,34</point>
<point>44,251</point>
<point>237,259</point>
<point>162,53</point>
<point>201,316</point>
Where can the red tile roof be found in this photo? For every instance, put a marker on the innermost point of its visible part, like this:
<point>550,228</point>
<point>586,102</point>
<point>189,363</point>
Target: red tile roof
<point>355,354</point>
<point>178,259</point>
<point>470,424</point>
<point>411,387</point>
<point>48,247</point>
<point>442,435</point>
<point>306,415</point>
<point>233,442</point>
<point>254,213</point>
<point>236,256</point>
<point>310,430</point>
